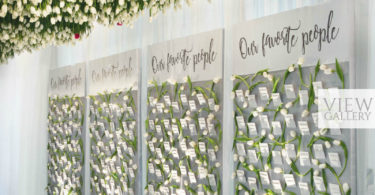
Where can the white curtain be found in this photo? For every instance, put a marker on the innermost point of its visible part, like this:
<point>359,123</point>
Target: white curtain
<point>23,82</point>
<point>23,114</point>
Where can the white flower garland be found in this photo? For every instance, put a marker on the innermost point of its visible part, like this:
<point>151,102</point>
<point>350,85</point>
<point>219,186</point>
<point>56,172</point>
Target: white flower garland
<point>34,24</point>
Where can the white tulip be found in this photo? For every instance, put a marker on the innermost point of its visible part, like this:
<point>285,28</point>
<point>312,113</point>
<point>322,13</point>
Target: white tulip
<point>323,166</point>
<point>301,60</point>
<point>271,136</point>
<point>323,131</point>
<point>263,132</point>
<point>317,133</point>
<point>291,68</point>
<point>327,144</point>
<point>217,164</point>
<point>315,161</point>
<point>288,161</point>
<point>250,142</point>
<point>216,80</point>
<point>328,71</point>
<point>337,142</point>
<point>316,172</point>
<point>323,67</point>
<point>288,105</point>
<point>284,111</point>
<point>345,187</point>
<point>251,167</point>
<point>260,109</point>
<point>293,134</point>
<point>232,95</point>
<point>277,170</point>
<point>305,113</point>
<point>270,77</point>
<point>242,159</point>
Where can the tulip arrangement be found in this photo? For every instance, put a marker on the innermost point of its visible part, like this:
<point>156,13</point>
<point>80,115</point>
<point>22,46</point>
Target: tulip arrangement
<point>113,134</point>
<point>183,137</point>
<point>65,146</point>
<point>259,156</point>
<point>29,25</point>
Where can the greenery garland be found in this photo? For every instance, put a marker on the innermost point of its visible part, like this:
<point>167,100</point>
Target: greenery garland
<point>27,25</point>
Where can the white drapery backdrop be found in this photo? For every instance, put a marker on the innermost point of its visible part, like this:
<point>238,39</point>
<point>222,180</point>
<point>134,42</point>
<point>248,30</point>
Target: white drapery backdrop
<point>23,82</point>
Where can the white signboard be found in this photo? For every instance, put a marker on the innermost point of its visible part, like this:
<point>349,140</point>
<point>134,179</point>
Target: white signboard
<point>322,32</point>
<point>199,56</point>
<point>68,80</point>
<point>115,72</point>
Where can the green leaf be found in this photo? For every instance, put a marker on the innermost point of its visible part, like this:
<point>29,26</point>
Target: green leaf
<point>317,68</point>
<point>340,74</point>
<point>259,73</point>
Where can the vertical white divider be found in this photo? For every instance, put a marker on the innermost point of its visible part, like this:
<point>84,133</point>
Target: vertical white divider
<point>86,133</point>
<point>234,13</point>
<point>138,189</point>
<point>143,113</point>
